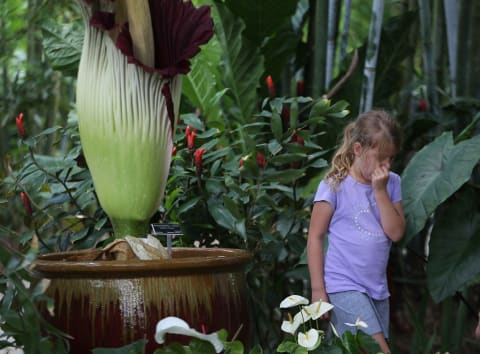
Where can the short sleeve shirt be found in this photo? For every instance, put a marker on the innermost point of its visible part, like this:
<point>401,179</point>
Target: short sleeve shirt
<point>358,248</point>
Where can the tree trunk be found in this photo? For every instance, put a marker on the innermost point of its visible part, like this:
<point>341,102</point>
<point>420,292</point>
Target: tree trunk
<point>317,37</point>
<point>451,19</point>
<point>428,58</point>
<point>368,86</point>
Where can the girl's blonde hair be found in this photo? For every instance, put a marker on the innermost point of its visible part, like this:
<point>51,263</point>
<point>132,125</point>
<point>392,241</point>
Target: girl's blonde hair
<point>370,129</point>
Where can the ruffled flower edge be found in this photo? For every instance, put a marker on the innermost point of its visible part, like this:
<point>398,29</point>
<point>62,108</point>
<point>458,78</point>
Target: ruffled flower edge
<point>179,29</point>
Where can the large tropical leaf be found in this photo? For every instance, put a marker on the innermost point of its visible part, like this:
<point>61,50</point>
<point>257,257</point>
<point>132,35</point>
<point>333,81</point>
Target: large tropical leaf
<point>262,17</point>
<point>63,46</point>
<point>241,65</point>
<point>434,174</point>
<point>270,28</point>
<point>203,86</point>
<point>455,245</point>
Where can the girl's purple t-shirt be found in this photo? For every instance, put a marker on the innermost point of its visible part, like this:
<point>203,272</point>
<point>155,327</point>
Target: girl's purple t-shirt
<point>358,248</point>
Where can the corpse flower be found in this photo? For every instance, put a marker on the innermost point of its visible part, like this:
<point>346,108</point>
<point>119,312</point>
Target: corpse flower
<point>128,93</point>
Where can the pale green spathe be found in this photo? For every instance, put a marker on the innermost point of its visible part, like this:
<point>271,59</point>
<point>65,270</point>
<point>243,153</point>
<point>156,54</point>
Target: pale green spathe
<point>124,127</point>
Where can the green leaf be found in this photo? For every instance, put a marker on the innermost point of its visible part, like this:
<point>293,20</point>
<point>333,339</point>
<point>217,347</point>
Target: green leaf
<point>173,348</point>
<point>202,85</point>
<point>222,215</point>
<point>63,46</point>
<point>454,245</point>
<point>287,158</point>
<point>201,346</point>
<point>320,108</point>
<point>254,13</point>
<point>274,147</point>
<point>191,203</point>
<point>241,64</point>
<point>235,347</point>
<point>276,125</point>
<point>319,163</point>
<point>434,174</point>
<point>284,176</point>
<point>256,350</point>
<point>135,347</point>
<point>192,120</point>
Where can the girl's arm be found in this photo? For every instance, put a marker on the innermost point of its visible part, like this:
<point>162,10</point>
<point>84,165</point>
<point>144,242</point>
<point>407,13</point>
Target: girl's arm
<point>391,214</point>
<point>321,215</point>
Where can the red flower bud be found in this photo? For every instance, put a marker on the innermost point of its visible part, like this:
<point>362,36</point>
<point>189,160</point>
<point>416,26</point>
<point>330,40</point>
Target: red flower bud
<point>199,160</point>
<point>190,138</point>
<point>174,150</point>
<point>297,139</point>
<point>20,127</point>
<point>300,88</point>
<point>270,86</point>
<point>261,161</point>
<point>26,203</point>
<point>285,116</point>
<point>422,105</point>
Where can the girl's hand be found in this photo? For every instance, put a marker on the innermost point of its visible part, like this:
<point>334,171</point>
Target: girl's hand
<point>380,177</point>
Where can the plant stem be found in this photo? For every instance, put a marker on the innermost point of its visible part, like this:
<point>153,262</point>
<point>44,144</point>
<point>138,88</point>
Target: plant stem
<point>123,227</point>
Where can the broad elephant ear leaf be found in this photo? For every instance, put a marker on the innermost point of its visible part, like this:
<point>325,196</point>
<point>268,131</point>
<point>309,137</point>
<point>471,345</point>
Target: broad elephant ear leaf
<point>455,245</point>
<point>433,175</point>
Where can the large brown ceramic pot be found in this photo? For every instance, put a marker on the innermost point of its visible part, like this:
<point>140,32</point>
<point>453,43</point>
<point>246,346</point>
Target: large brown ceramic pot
<point>113,303</point>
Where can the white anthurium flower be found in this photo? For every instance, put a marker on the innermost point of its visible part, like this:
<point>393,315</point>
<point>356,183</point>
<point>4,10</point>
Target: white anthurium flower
<point>293,300</point>
<point>358,323</point>
<point>318,309</point>
<point>291,325</point>
<point>175,325</point>
<point>303,315</point>
<point>310,339</point>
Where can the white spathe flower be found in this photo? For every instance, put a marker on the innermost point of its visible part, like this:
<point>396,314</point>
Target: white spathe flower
<point>291,325</point>
<point>310,339</point>
<point>318,309</point>
<point>357,323</point>
<point>293,300</point>
<point>303,315</point>
<point>175,325</point>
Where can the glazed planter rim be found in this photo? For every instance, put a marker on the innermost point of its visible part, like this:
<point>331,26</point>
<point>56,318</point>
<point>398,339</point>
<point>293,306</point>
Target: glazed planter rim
<point>184,260</point>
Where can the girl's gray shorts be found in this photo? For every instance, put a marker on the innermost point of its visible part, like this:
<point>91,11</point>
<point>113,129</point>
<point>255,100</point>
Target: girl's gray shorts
<point>349,305</point>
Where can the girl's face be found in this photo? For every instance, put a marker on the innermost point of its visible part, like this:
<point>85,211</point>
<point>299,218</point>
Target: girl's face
<point>368,159</point>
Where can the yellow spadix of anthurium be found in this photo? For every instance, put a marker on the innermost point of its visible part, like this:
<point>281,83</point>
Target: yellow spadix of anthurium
<point>128,95</point>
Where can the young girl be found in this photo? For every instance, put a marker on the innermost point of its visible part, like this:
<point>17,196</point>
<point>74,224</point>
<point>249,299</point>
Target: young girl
<point>359,205</point>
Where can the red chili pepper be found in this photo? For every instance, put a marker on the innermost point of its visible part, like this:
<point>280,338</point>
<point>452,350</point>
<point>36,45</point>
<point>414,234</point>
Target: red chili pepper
<point>261,161</point>
<point>199,160</point>
<point>174,150</point>
<point>271,87</point>
<point>26,203</point>
<point>20,127</point>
